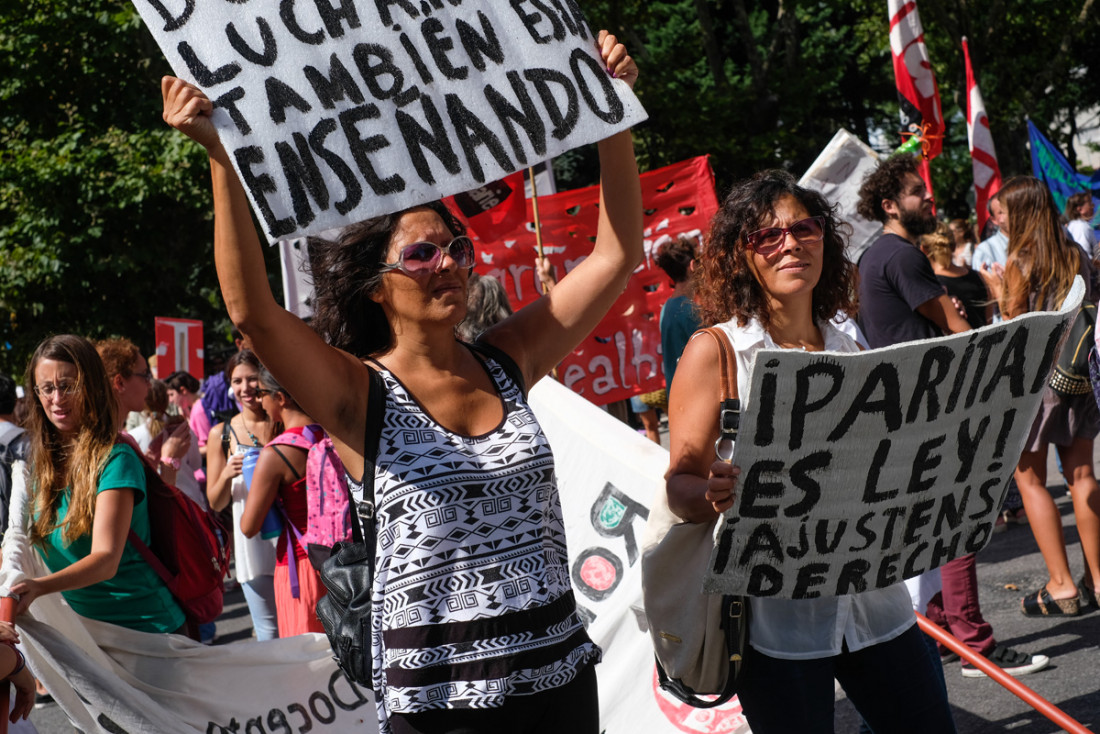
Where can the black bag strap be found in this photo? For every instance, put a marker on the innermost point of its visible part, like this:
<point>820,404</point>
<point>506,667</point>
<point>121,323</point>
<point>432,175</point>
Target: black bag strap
<point>498,355</point>
<point>735,622</point>
<point>287,462</point>
<point>376,408</point>
<point>227,428</point>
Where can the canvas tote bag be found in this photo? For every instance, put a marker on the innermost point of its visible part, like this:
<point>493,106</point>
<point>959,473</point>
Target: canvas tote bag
<point>698,639</point>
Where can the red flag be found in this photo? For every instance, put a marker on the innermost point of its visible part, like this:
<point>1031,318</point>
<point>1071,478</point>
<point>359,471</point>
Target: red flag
<point>987,174</point>
<point>495,210</point>
<point>918,93</point>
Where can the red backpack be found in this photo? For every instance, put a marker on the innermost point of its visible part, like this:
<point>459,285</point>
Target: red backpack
<point>189,548</point>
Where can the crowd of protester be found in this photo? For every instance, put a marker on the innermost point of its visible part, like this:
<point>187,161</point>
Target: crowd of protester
<point>397,302</point>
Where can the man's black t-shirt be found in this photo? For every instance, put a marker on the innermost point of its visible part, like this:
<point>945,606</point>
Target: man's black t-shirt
<point>895,278</point>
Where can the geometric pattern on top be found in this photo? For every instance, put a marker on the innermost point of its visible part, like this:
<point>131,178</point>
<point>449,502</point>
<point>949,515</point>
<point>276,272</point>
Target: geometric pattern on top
<point>472,597</point>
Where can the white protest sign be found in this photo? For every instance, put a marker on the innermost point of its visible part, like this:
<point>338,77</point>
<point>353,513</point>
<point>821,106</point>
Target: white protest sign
<point>860,470</point>
<point>334,111</point>
<point>837,174</point>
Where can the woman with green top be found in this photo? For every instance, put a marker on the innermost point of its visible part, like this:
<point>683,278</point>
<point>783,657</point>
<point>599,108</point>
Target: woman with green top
<point>87,493</point>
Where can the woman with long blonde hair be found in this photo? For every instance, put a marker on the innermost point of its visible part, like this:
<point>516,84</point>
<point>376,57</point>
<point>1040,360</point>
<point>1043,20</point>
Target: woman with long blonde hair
<point>87,493</point>
<point>1042,264</point>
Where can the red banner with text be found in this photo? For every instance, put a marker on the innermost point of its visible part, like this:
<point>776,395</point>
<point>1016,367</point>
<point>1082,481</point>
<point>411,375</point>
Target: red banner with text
<point>622,356</point>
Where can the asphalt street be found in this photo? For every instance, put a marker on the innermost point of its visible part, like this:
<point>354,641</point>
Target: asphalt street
<point>1007,568</point>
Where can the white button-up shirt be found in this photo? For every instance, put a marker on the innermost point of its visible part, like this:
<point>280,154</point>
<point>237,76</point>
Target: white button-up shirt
<point>803,629</point>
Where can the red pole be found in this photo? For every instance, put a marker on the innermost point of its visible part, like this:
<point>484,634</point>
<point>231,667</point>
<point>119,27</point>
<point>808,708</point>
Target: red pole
<point>1015,687</point>
<point>7,614</point>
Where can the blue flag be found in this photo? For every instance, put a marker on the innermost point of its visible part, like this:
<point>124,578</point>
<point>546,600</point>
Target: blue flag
<point>1051,167</point>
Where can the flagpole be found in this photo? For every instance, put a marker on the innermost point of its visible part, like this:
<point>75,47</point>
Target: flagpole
<point>535,211</point>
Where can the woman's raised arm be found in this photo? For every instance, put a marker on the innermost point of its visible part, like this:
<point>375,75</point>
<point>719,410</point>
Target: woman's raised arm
<point>541,334</point>
<point>295,354</point>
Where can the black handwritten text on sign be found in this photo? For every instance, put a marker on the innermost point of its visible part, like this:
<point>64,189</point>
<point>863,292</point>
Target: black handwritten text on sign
<point>334,111</point>
<point>860,470</point>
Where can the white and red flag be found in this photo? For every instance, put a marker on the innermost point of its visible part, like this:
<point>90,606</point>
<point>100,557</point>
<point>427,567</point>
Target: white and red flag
<point>987,174</point>
<point>918,93</point>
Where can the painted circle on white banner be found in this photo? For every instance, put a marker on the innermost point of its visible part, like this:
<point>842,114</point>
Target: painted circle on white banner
<point>726,719</point>
<point>598,573</point>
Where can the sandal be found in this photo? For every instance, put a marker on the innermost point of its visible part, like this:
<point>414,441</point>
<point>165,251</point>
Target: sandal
<point>1041,604</point>
<point>1089,598</point>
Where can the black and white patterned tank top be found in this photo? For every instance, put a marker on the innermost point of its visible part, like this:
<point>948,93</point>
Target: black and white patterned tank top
<point>472,599</point>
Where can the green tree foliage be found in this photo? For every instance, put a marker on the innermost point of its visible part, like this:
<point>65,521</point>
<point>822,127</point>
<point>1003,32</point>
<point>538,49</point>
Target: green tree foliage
<point>104,211</point>
<point>767,84</point>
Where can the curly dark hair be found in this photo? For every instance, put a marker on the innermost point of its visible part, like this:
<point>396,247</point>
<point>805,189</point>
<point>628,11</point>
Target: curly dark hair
<point>725,284</point>
<point>345,273</point>
<point>885,182</point>
<point>675,256</point>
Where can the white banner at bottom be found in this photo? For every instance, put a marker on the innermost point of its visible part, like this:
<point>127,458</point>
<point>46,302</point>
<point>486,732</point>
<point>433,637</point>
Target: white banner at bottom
<point>111,679</point>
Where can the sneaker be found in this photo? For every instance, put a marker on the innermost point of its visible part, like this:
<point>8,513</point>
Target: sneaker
<point>947,656</point>
<point>42,700</point>
<point>1000,525</point>
<point>1015,517</point>
<point>1011,661</point>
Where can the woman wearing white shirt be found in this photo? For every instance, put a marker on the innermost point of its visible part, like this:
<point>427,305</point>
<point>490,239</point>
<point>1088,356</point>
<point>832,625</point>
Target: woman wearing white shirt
<point>772,275</point>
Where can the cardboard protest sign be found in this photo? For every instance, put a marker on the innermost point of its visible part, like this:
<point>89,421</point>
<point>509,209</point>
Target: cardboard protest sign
<point>837,175</point>
<point>622,355</point>
<point>334,111</point>
<point>860,470</point>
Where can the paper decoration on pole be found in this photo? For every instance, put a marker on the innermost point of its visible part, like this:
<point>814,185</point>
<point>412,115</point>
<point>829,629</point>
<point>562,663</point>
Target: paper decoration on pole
<point>335,112</point>
<point>861,470</point>
<point>621,357</point>
<point>918,92</point>
<point>1051,167</point>
<point>179,347</point>
<point>987,174</point>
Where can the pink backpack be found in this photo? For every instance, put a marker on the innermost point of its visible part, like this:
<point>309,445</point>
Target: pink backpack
<point>329,516</point>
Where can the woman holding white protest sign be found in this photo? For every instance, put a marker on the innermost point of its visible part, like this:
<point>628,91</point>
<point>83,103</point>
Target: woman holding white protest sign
<point>474,620</point>
<point>772,274</point>
<point>1042,264</point>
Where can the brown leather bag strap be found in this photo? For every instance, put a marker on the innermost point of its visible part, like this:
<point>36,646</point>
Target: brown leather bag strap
<point>727,366</point>
<point>729,409</point>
